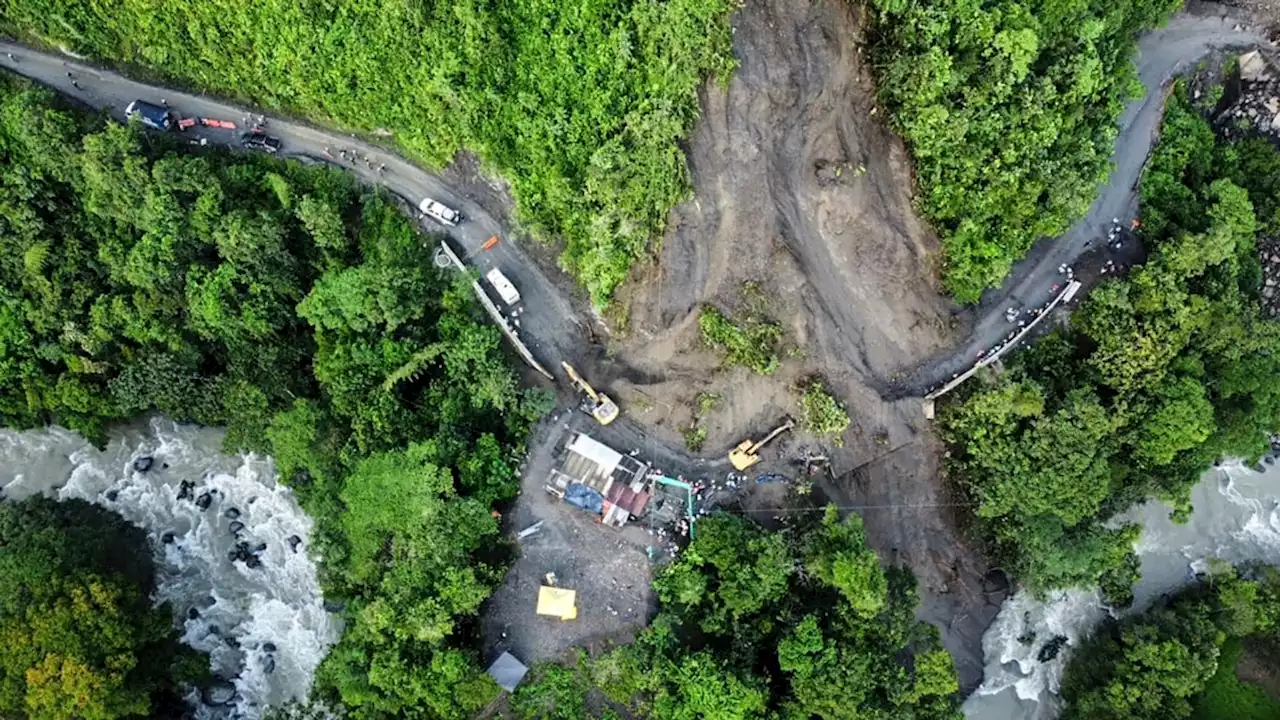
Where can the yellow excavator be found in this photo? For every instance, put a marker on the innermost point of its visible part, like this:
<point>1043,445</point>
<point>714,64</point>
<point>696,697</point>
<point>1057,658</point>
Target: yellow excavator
<point>599,405</point>
<point>747,452</point>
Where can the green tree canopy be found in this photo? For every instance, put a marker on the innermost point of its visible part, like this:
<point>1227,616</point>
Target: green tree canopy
<point>79,637</point>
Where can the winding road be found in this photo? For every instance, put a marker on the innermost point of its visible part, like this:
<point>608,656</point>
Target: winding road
<point>549,323</point>
<point>558,327</point>
<point>1162,54</point>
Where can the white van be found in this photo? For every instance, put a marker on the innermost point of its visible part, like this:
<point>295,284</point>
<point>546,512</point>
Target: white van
<point>504,287</point>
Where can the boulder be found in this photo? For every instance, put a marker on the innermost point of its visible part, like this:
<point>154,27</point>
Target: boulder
<point>268,647</point>
<point>143,463</point>
<point>236,527</point>
<point>260,547</point>
<point>220,692</point>
<point>294,541</point>
<point>166,538</point>
<point>252,562</point>
<point>269,665</point>
<point>205,500</point>
<point>193,613</point>
<point>186,490</point>
<point>232,513</point>
<point>1252,66</point>
<point>112,495</point>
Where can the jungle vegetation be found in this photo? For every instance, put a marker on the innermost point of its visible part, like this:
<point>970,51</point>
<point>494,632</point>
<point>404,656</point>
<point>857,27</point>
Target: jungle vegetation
<point>799,623</point>
<point>79,637</point>
<point>1178,659</point>
<point>1009,109</point>
<point>1158,374</point>
<point>580,107</point>
<point>302,313</point>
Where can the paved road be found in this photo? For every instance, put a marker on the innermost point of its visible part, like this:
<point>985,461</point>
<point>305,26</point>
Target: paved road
<point>559,328</point>
<point>1162,54</point>
<point>549,324</point>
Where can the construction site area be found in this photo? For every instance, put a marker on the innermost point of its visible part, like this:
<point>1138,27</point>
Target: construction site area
<point>601,508</point>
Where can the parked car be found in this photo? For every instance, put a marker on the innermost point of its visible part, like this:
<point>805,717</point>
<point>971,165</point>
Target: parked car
<point>258,141</point>
<point>440,212</point>
<point>505,288</point>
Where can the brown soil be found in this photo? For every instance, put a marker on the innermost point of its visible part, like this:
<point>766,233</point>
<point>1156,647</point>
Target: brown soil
<point>1257,666</point>
<point>800,188</point>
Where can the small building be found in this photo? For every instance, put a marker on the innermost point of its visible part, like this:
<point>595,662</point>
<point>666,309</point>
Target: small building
<point>601,480</point>
<point>507,671</point>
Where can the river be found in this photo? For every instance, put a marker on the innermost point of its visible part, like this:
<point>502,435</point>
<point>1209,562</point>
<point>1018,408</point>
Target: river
<point>1236,518</point>
<point>265,627</point>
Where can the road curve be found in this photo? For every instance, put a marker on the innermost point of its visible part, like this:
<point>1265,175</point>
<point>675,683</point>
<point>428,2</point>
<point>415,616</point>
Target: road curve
<point>1162,54</point>
<point>549,324</point>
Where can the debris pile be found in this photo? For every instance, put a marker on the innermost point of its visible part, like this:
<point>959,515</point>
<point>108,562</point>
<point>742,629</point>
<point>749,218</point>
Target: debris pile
<point>1269,256</point>
<point>1256,108</point>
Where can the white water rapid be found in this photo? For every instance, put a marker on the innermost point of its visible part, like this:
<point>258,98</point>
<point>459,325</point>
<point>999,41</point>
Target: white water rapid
<point>1236,518</point>
<point>262,621</point>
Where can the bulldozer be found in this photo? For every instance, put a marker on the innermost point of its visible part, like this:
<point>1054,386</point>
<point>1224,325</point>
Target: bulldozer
<point>747,452</point>
<point>599,405</point>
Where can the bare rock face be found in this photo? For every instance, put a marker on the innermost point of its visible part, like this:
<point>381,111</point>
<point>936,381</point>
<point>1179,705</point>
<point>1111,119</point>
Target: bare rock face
<point>1269,256</point>
<point>1253,105</point>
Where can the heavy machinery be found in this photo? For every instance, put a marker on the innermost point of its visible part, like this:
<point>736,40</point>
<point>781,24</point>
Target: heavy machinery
<point>747,452</point>
<point>599,405</point>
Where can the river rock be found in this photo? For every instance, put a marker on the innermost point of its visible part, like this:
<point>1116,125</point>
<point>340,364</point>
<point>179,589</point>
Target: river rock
<point>166,538</point>
<point>268,647</point>
<point>220,692</point>
<point>186,490</point>
<point>252,562</point>
<point>269,665</point>
<point>143,463</point>
<point>294,541</point>
<point>232,513</point>
<point>236,527</point>
<point>193,613</point>
<point>205,500</point>
<point>112,495</point>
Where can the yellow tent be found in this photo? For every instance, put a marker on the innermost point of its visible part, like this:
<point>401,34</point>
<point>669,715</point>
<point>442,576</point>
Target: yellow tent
<point>557,602</point>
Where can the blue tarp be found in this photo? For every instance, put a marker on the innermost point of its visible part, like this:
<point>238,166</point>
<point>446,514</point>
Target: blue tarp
<point>579,495</point>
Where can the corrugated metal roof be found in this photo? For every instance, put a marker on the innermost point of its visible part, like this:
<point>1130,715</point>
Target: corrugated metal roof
<point>599,453</point>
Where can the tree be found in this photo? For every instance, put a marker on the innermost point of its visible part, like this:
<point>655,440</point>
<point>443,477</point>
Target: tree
<point>78,635</point>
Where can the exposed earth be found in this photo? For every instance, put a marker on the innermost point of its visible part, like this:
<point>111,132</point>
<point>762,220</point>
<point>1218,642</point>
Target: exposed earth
<point>801,191</point>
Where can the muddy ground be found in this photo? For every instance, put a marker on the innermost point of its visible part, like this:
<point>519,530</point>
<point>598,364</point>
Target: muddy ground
<point>846,268</point>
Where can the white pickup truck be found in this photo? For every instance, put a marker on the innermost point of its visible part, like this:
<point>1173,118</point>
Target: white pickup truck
<point>505,289</point>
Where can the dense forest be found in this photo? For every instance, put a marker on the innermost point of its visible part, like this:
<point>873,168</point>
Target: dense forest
<point>79,637</point>
<point>1158,374</point>
<point>1179,659</point>
<point>580,107</point>
<point>306,316</point>
<point>1009,109</point>
<point>798,623</point>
